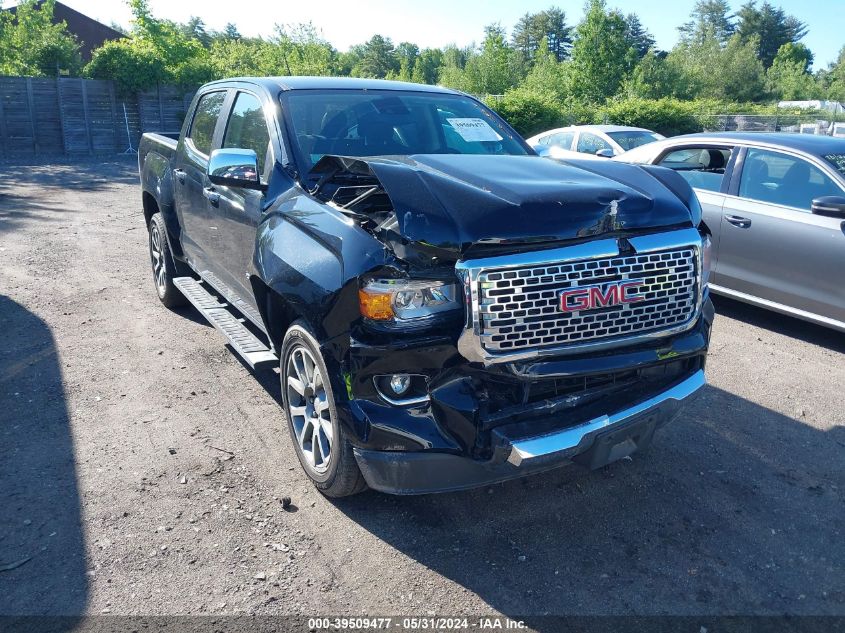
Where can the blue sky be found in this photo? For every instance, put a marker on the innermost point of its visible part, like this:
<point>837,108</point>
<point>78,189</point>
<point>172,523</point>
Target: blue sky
<point>441,22</point>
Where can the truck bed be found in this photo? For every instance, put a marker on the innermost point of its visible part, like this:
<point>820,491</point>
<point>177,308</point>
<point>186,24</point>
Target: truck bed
<point>161,144</point>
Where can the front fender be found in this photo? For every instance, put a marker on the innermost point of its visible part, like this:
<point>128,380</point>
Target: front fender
<point>310,255</point>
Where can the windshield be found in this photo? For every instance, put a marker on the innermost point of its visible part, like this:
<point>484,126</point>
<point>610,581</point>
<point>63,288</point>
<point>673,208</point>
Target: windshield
<point>635,138</point>
<point>838,162</point>
<point>391,123</point>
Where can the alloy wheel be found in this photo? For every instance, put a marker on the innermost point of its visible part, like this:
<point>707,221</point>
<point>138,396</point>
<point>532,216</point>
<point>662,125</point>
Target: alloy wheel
<point>308,409</point>
<point>157,257</point>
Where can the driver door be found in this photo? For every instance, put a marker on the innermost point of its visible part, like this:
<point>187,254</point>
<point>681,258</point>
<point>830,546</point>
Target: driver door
<point>240,210</point>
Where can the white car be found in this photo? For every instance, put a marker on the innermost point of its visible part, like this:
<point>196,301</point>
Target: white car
<point>591,141</point>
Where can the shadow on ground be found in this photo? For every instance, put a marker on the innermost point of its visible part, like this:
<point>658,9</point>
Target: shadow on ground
<point>736,509</point>
<point>42,556</point>
<point>17,205</point>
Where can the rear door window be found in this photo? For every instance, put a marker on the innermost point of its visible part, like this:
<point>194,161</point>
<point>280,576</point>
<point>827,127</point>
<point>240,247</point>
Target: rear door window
<point>561,139</point>
<point>205,120</point>
<point>701,167</point>
<point>777,178</point>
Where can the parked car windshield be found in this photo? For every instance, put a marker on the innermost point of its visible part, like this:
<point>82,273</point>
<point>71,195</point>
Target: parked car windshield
<point>391,123</point>
<point>634,138</point>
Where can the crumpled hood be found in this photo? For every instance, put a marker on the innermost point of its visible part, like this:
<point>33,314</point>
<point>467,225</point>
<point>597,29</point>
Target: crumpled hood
<point>452,201</point>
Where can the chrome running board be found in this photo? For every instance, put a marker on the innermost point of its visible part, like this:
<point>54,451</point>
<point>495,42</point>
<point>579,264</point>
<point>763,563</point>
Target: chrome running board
<point>245,343</point>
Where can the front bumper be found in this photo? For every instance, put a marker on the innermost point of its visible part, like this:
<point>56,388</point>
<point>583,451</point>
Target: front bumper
<point>597,442</point>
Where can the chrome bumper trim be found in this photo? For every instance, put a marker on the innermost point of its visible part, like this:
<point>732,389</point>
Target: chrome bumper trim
<point>578,439</point>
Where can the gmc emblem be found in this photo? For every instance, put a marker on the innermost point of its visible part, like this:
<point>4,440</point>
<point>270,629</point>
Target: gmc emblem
<point>606,295</point>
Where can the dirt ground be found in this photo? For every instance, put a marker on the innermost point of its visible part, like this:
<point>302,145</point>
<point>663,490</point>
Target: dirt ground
<point>142,465</point>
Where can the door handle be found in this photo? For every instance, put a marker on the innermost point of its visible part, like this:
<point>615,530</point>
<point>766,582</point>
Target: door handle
<point>213,196</point>
<point>180,175</point>
<point>739,221</point>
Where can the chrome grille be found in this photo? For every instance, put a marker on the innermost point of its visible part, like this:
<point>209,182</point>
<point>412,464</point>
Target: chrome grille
<point>519,308</point>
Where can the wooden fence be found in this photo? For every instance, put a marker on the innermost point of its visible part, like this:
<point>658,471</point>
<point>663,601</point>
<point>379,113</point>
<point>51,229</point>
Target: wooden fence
<point>46,117</point>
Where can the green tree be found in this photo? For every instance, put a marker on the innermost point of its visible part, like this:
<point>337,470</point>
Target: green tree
<point>548,77</point>
<point>427,66</point>
<point>533,28</point>
<point>451,71</point>
<point>165,37</point>
<point>797,54</point>
<point>377,59</point>
<point>194,28</point>
<point>834,78</point>
<point>407,53</point>
<point>602,56</point>
<point>157,51</point>
<point>638,37</point>
<point>742,77</point>
<point>655,78</point>
<point>302,51</point>
<point>710,18</point>
<point>30,44</point>
<point>771,26</point>
<point>495,68</point>
<point>246,57</point>
<point>706,68</point>
<point>230,32</point>
<point>789,77</point>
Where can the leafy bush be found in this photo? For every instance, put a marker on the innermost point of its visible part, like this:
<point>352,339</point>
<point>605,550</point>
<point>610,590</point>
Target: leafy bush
<point>670,117</point>
<point>132,67</point>
<point>194,72</point>
<point>529,112</point>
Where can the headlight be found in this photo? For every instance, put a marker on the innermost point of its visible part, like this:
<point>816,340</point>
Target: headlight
<point>706,260</point>
<point>406,300</point>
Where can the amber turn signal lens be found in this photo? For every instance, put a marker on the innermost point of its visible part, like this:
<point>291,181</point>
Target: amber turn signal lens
<point>376,305</point>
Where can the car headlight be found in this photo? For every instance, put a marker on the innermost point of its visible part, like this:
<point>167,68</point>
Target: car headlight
<point>404,301</point>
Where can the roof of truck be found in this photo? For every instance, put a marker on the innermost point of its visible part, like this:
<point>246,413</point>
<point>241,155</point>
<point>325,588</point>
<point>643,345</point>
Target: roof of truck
<point>334,83</point>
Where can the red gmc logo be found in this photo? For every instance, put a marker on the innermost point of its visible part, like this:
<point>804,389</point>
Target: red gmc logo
<point>592,297</point>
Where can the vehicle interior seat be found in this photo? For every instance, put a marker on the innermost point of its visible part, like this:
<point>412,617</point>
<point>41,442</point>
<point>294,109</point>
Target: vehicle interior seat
<point>334,136</point>
<point>714,160</point>
<point>754,183</point>
<point>378,135</point>
<point>795,189</point>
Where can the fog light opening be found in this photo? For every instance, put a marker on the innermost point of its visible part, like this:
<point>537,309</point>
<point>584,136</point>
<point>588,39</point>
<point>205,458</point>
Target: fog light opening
<point>402,389</point>
<point>400,383</point>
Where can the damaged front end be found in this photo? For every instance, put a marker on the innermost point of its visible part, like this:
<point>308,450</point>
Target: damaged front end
<point>467,353</point>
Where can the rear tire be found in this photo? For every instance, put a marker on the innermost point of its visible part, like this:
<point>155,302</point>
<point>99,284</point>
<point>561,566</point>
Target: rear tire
<point>164,268</point>
<point>324,452</point>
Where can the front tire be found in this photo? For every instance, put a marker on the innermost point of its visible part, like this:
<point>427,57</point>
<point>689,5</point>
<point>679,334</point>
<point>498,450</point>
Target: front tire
<point>308,399</point>
<point>164,268</point>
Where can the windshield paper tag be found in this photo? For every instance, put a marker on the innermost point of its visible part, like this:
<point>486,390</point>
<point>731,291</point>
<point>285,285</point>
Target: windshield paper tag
<point>474,130</point>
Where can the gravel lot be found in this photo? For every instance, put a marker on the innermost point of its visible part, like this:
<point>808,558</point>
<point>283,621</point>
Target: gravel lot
<point>141,465</point>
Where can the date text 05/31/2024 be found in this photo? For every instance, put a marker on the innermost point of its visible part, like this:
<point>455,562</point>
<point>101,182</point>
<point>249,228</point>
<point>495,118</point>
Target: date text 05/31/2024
<point>415,624</point>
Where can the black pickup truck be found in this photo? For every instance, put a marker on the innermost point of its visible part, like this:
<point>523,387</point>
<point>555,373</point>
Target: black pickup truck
<point>446,308</point>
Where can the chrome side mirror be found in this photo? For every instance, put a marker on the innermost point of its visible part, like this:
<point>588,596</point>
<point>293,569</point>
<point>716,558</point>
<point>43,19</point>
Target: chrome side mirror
<point>234,168</point>
<point>605,153</point>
